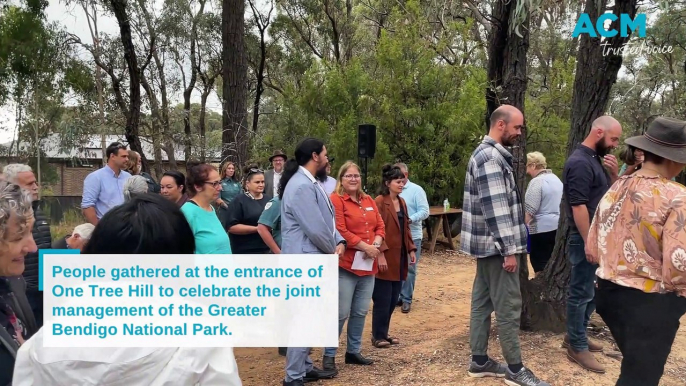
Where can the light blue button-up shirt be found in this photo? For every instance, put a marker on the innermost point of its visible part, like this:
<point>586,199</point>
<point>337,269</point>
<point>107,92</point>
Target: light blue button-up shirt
<point>103,190</point>
<point>417,206</point>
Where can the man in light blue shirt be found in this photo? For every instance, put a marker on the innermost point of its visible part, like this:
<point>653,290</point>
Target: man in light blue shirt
<point>103,189</point>
<point>418,208</point>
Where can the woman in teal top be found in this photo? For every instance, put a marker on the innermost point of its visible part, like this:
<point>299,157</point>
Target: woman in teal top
<point>203,184</point>
<point>231,186</point>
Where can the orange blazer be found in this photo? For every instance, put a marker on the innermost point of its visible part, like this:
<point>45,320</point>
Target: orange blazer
<point>397,270</point>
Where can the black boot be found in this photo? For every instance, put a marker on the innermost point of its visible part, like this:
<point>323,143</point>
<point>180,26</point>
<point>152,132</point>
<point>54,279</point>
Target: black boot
<point>357,359</point>
<point>329,363</point>
<point>295,382</point>
<point>316,374</point>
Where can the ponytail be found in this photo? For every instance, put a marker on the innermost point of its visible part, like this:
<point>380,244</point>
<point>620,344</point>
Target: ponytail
<point>289,171</point>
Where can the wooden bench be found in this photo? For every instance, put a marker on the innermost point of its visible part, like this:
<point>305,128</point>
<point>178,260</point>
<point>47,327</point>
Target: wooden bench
<point>441,220</point>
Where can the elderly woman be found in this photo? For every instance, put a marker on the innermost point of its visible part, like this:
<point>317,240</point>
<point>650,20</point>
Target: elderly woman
<point>17,323</point>
<point>638,238</point>
<point>135,185</point>
<point>360,224</point>
<point>78,238</point>
<point>542,202</point>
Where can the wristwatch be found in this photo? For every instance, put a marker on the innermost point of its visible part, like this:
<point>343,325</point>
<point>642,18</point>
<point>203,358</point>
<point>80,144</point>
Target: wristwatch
<point>345,243</point>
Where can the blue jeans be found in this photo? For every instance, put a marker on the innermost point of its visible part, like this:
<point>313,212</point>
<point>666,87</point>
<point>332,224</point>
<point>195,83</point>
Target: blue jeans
<point>408,285</point>
<point>580,298</point>
<point>354,298</point>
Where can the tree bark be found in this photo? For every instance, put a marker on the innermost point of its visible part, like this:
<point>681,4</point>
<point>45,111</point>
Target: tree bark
<point>544,306</point>
<point>235,82</point>
<point>134,111</point>
<point>262,25</point>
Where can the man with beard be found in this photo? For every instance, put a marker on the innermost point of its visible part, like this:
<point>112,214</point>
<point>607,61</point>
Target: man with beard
<point>494,233</point>
<point>585,182</point>
<point>308,226</point>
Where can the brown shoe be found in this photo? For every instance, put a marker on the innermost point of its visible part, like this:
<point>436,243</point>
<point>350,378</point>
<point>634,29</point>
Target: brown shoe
<point>586,360</point>
<point>592,346</point>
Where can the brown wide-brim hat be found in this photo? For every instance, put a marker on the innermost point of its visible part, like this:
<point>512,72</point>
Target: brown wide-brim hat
<point>278,153</point>
<point>665,137</point>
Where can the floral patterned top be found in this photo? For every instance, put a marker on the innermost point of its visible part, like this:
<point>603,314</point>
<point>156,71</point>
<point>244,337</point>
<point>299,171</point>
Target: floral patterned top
<point>638,235</point>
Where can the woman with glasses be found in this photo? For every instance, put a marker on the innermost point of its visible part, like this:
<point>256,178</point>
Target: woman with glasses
<point>203,184</point>
<point>360,224</point>
<point>245,212</point>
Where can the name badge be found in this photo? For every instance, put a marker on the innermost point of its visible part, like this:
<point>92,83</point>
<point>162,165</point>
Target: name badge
<point>369,209</point>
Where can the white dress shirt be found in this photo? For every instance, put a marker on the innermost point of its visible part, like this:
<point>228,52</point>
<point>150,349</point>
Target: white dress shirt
<point>277,179</point>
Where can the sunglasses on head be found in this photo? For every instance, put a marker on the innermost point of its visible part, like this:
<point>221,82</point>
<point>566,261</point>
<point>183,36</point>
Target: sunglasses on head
<point>254,171</point>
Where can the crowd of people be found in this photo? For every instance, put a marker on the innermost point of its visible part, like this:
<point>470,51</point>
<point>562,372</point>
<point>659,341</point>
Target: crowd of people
<point>294,208</point>
<point>626,244</point>
<point>626,249</point>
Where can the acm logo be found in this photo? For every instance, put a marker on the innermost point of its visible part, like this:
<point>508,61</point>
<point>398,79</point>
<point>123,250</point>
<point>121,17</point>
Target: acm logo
<point>626,25</point>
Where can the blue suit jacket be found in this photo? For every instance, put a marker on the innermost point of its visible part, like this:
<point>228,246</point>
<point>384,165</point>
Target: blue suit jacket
<point>307,218</point>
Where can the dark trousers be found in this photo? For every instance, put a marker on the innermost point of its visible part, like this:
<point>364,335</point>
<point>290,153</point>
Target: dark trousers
<point>644,326</point>
<point>542,245</point>
<point>35,299</point>
<point>581,294</point>
<point>385,297</point>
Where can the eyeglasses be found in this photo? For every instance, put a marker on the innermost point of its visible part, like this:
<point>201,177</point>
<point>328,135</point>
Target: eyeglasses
<point>214,184</point>
<point>352,176</point>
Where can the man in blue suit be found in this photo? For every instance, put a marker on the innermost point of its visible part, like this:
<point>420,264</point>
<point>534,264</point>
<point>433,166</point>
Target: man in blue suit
<point>308,226</point>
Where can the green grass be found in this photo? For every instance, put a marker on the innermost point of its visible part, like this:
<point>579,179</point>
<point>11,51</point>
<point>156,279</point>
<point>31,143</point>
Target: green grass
<point>71,219</point>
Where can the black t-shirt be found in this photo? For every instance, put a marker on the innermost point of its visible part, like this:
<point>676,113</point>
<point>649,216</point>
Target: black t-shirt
<point>246,211</point>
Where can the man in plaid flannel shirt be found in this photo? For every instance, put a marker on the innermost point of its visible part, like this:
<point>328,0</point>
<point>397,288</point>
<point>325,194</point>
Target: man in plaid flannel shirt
<point>493,232</point>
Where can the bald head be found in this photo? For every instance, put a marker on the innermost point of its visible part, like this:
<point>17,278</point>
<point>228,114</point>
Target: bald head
<point>504,113</point>
<point>506,125</point>
<point>605,135</point>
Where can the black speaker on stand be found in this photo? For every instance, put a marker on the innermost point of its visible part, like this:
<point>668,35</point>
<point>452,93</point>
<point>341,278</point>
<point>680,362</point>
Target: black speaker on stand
<point>366,147</point>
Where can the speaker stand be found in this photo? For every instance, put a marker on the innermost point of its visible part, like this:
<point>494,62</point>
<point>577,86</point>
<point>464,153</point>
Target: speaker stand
<point>364,175</point>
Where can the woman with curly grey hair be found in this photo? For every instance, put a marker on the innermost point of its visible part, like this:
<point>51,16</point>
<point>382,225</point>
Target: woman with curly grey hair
<point>17,323</point>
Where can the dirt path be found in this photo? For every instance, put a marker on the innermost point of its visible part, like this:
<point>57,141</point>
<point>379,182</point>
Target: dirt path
<point>434,347</point>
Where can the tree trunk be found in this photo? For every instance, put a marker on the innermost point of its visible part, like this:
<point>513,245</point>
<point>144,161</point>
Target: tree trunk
<point>134,111</point>
<point>201,123</point>
<point>544,306</point>
<point>235,80</point>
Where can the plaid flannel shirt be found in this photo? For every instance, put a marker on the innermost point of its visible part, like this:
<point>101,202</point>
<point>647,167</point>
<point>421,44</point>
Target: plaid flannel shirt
<point>492,213</point>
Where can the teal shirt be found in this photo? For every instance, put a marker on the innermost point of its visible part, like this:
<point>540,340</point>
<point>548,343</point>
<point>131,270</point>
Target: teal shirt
<point>271,217</point>
<point>210,236</point>
<point>230,189</point>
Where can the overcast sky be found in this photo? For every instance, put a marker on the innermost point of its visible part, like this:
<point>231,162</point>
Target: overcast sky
<point>73,19</point>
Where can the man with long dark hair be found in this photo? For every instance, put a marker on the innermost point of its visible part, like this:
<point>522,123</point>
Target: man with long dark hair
<point>307,227</point>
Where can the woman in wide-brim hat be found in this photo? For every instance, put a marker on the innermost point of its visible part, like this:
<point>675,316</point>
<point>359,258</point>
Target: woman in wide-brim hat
<point>638,238</point>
